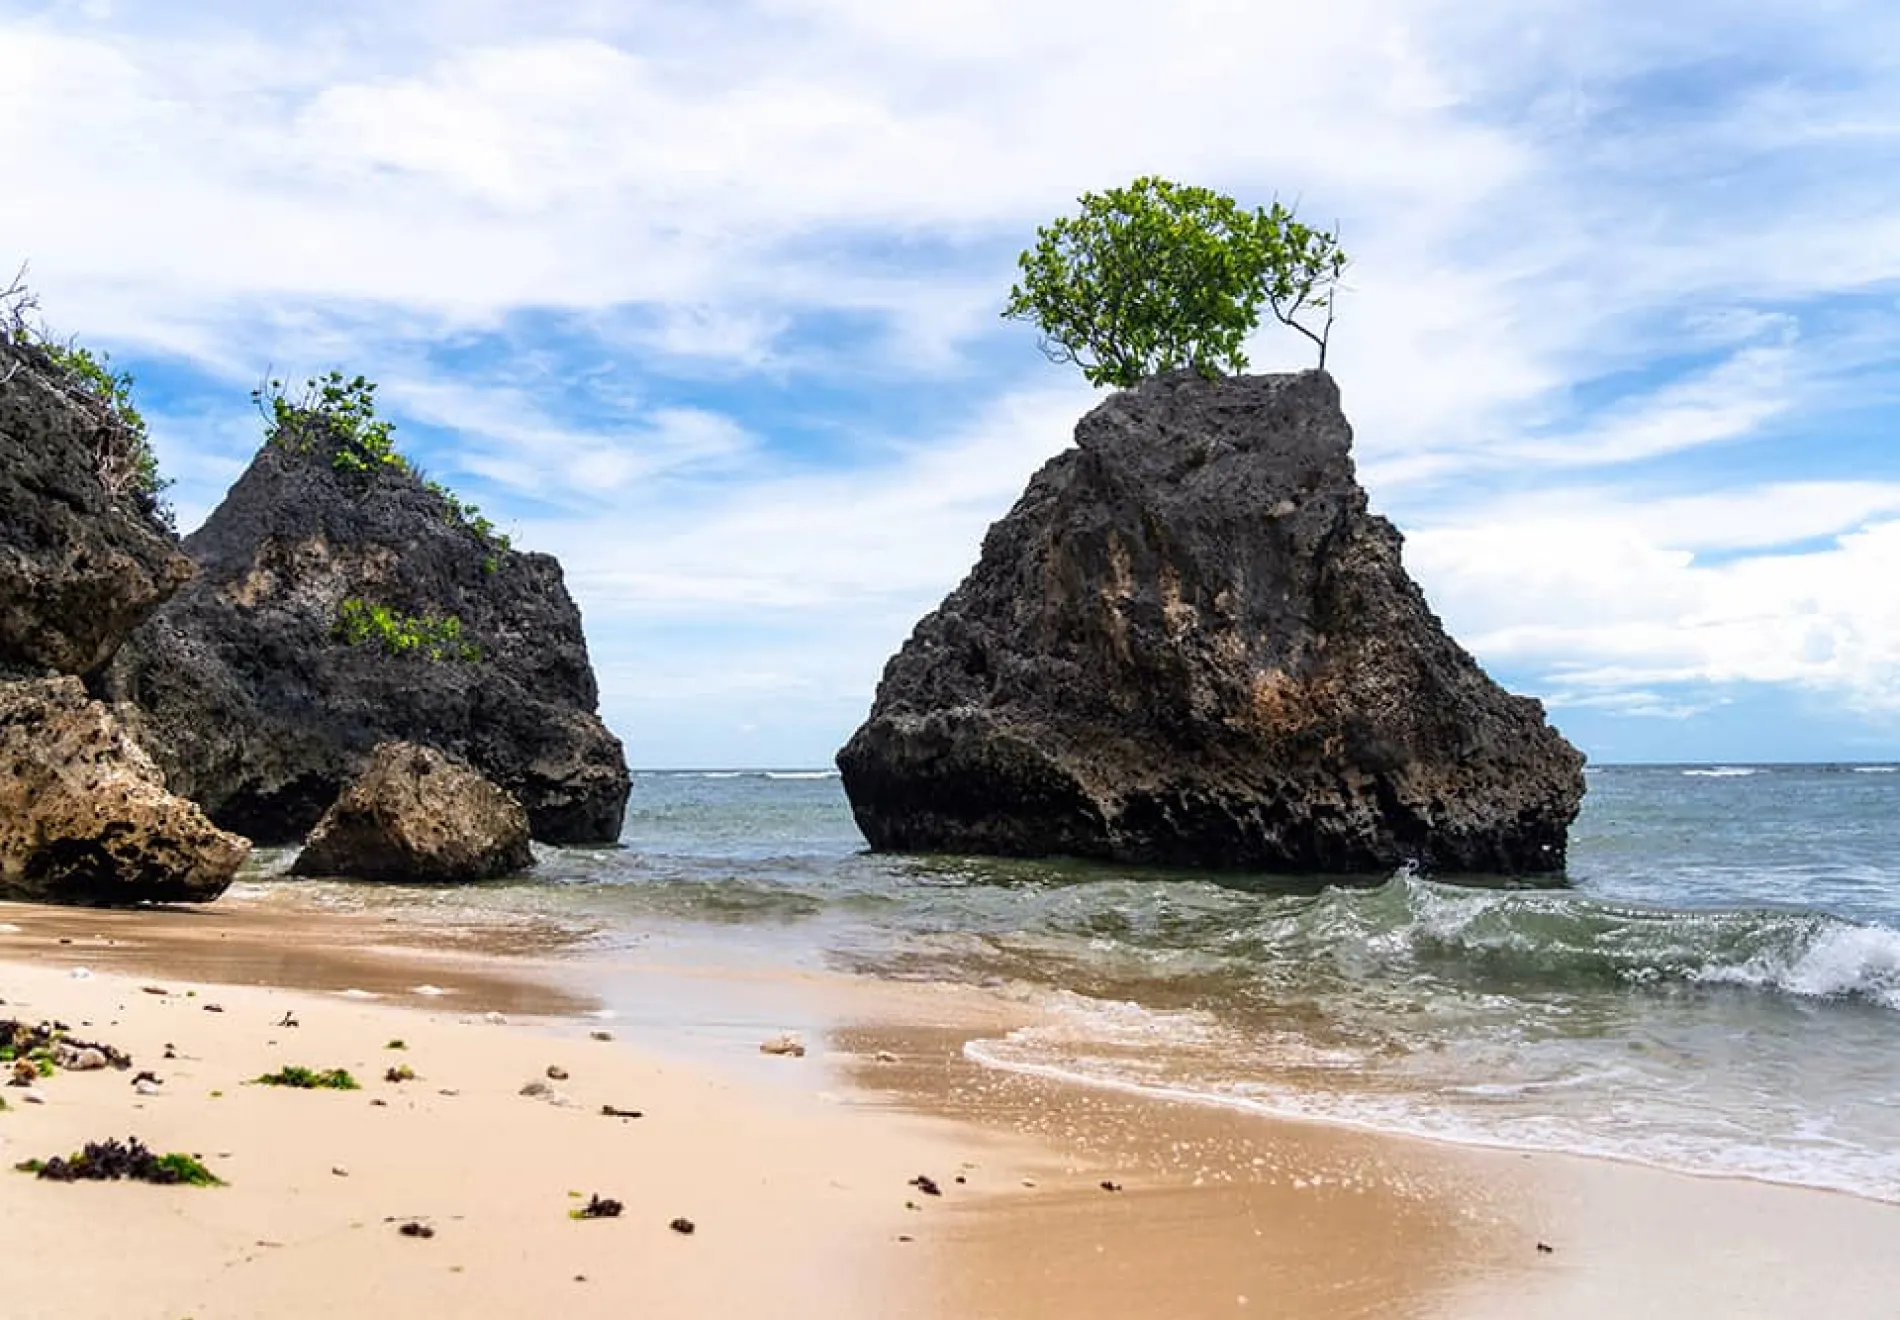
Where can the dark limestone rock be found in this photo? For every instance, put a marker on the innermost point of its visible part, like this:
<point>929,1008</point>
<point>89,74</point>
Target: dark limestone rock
<point>416,815</point>
<point>84,815</point>
<point>1190,643</point>
<point>80,566</point>
<point>257,709</point>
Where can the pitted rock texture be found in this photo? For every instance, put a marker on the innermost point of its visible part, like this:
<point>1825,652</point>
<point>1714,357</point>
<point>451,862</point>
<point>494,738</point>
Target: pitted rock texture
<point>1191,644</point>
<point>80,567</point>
<point>245,693</point>
<point>84,815</point>
<point>416,815</point>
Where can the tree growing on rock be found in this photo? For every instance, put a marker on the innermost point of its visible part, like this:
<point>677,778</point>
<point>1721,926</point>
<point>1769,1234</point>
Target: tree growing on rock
<point>1157,276</point>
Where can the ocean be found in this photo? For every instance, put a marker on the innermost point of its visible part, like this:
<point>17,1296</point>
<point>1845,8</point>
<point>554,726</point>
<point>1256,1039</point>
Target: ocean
<point>1716,989</point>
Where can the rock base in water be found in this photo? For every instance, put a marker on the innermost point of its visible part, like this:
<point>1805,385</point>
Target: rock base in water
<point>416,815</point>
<point>84,815</point>
<point>1190,643</point>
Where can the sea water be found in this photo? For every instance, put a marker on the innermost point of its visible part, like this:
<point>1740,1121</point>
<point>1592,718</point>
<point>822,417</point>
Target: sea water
<point>1716,988</point>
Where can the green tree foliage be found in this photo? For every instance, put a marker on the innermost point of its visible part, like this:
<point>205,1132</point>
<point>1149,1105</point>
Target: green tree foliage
<point>1158,276</point>
<point>425,636</point>
<point>336,414</point>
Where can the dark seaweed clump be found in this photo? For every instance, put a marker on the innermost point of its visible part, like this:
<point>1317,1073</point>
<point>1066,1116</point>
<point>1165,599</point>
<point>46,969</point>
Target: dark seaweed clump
<point>598,1207</point>
<point>311,1079</point>
<point>111,1160</point>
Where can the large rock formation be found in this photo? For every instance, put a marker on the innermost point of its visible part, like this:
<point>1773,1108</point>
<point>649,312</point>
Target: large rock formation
<point>416,815</point>
<point>259,708</point>
<point>80,562</point>
<point>84,815</point>
<point>1190,643</point>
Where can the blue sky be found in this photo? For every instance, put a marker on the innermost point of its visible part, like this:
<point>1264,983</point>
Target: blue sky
<point>702,297</point>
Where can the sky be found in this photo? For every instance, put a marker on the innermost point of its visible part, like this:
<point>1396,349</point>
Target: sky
<point>702,297</point>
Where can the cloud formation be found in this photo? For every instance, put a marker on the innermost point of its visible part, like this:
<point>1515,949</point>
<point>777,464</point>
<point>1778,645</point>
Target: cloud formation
<point>701,296</point>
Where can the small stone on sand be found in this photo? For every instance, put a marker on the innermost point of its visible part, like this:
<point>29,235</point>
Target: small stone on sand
<point>683,1226</point>
<point>556,1073</point>
<point>787,1045</point>
<point>600,1035</point>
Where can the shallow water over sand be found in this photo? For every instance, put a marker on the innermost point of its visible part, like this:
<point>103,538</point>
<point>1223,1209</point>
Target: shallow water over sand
<point>1717,991</point>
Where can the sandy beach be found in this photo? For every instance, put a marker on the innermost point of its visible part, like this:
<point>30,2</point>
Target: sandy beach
<point>797,1173</point>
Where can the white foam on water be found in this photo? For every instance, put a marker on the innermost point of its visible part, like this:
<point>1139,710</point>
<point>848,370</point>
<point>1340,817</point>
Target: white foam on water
<point>801,774</point>
<point>1723,772</point>
<point>1841,961</point>
<point>1815,1163</point>
<point>1876,769</point>
<point>429,990</point>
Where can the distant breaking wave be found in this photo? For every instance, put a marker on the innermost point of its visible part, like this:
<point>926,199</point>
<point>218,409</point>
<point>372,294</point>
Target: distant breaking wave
<point>1723,772</point>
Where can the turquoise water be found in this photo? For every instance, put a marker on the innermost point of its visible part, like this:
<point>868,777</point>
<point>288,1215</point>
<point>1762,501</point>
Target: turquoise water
<point>1717,989</point>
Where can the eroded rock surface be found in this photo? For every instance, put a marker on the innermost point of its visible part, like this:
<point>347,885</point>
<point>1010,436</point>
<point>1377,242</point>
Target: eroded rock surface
<point>257,708</point>
<point>81,564</point>
<point>1190,643</point>
<point>84,815</point>
<point>416,815</point>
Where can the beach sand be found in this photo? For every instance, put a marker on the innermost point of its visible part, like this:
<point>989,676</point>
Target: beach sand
<point>796,1172</point>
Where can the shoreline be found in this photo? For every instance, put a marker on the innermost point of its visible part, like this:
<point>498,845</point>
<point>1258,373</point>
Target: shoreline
<point>1213,1206</point>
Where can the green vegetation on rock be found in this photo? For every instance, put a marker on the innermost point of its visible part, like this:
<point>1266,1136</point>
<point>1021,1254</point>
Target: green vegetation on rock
<point>428,636</point>
<point>334,412</point>
<point>337,414</point>
<point>1158,276</point>
<point>462,514</point>
<point>310,1079</point>
<point>122,452</point>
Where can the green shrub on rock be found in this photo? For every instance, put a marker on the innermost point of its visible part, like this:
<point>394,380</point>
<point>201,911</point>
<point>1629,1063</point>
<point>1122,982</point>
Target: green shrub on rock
<point>336,413</point>
<point>428,636</point>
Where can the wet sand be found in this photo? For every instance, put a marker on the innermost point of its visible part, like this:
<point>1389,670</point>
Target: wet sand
<point>797,1171</point>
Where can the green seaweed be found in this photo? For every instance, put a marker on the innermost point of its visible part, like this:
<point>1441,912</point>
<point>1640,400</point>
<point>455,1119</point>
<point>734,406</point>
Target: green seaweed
<point>309,1079</point>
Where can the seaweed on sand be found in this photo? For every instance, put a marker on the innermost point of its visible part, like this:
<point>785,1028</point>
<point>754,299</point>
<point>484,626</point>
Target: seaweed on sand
<point>311,1079</point>
<point>111,1160</point>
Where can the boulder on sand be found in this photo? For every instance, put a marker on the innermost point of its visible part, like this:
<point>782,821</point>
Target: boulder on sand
<point>416,815</point>
<point>84,815</point>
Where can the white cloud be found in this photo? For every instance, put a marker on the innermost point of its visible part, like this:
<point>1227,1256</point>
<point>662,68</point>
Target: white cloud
<point>1553,207</point>
<point>885,539</point>
<point>1610,601</point>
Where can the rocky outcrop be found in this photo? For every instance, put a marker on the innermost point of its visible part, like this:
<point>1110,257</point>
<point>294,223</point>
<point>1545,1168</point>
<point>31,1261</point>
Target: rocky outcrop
<point>416,815</point>
<point>258,706</point>
<point>84,815</point>
<point>1190,643</point>
<point>83,555</point>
